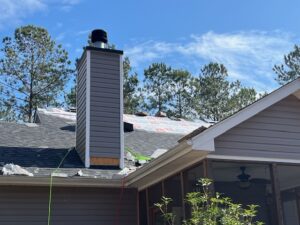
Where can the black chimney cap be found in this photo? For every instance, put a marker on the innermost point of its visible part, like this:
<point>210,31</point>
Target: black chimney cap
<point>99,35</point>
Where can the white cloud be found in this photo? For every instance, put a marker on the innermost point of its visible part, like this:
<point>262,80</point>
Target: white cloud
<point>13,11</point>
<point>66,5</point>
<point>83,32</point>
<point>248,56</point>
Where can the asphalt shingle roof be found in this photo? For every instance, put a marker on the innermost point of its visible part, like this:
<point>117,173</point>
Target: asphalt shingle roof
<point>41,147</point>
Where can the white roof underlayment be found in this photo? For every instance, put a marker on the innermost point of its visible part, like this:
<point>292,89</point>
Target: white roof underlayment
<point>146,123</point>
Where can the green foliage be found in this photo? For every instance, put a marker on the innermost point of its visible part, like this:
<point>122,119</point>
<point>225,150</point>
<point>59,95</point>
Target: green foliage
<point>70,97</point>
<point>290,69</point>
<point>130,86</point>
<point>182,94</point>
<point>216,96</point>
<point>213,92</point>
<point>34,70</point>
<point>241,98</point>
<point>169,218</point>
<point>210,209</point>
<point>157,79</point>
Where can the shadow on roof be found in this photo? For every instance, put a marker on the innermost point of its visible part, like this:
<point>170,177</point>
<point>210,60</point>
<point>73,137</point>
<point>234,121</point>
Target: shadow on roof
<point>39,157</point>
<point>69,128</point>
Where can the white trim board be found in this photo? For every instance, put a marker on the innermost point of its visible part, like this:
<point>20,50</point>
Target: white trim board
<point>252,159</point>
<point>203,141</point>
<point>87,109</point>
<point>122,155</point>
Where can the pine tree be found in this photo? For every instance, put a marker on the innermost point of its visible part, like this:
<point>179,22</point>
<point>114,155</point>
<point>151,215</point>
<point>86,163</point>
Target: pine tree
<point>157,81</point>
<point>34,70</point>
<point>217,97</point>
<point>130,85</point>
<point>181,92</point>
<point>290,69</point>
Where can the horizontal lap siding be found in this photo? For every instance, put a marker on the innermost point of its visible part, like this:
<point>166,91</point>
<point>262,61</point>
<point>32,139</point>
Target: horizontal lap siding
<point>273,133</point>
<point>81,108</point>
<point>70,206</point>
<point>105,105</point>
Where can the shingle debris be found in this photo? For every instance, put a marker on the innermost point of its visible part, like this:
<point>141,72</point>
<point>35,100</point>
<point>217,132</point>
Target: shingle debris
<point>12,169</point>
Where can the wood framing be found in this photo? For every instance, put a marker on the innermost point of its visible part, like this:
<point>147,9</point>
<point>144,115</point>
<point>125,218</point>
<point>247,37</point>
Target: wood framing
<point>100,161</point>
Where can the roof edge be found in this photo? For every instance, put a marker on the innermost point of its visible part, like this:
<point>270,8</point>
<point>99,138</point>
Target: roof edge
<point>199,142</point>
<point>59,182</point>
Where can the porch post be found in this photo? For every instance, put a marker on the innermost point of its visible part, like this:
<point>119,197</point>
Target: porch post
<point>276,193</point>
<point>147,205</point>
<point>207,172</point>
<point>138,207</point>
<point>297,190</point>
<point>182,193</point>
<point>163,188</point>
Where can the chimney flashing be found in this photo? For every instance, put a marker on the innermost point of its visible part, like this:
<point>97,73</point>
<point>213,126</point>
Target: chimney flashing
<point>120,52</point>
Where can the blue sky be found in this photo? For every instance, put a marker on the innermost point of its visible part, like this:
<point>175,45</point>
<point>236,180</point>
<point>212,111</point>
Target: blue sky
<point>249,37</point>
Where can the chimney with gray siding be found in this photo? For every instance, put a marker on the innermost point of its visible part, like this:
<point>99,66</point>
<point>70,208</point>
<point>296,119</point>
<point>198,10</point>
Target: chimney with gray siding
<point>99,132</point>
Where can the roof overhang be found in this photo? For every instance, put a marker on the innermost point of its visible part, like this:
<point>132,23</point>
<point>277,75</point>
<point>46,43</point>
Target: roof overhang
<point>60,181</point>
<point>205,139</point>
<point>172,162</point>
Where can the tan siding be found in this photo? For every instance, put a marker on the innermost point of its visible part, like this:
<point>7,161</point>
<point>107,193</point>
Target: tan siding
<point>70,206</point>
<point>273,133</point>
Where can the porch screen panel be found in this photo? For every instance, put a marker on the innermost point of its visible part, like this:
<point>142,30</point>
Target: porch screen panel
<point>257,190</point>
<point>191,178</point>
<point>143,208</point>
<point>289,182</point>
<point>172,188</point>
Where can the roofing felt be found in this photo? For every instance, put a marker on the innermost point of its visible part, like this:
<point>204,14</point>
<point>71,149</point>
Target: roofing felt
<point>163,124</point>
<point>144,123</point>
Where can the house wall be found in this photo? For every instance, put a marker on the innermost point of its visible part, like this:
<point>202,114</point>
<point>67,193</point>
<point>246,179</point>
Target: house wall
<point>105,130</point>
<point>70,206</point>
<point>273,133</point>
<point>81,107</point>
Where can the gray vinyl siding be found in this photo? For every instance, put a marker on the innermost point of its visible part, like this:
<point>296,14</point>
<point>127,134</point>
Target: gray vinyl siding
<point>70,206</point>
<point>105,120</point>
<point>272,133</point>
<point>81,107</point>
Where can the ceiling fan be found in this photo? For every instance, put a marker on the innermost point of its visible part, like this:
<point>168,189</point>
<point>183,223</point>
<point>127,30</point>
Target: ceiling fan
<point>245,181</point>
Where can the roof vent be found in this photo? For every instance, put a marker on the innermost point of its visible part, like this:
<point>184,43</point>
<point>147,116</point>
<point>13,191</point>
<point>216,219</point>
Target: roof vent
<point>72,109</point>
<point>141,114</point>
<point>160,114</point>
<point>99,38</point>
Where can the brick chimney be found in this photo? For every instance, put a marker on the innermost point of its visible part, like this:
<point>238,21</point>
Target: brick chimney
<point>99,133</point>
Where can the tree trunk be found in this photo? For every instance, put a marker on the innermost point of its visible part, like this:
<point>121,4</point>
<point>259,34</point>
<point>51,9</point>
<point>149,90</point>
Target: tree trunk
<point>180,106</point>
<point>30,105</point>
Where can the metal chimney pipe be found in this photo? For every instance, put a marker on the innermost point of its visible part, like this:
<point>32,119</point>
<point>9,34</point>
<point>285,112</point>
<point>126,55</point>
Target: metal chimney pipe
<point>99,38</point>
